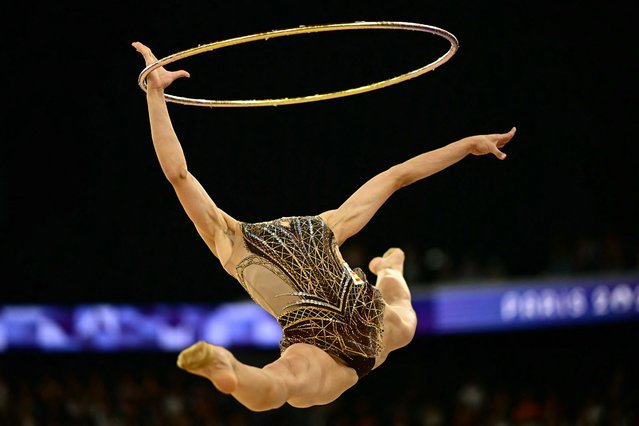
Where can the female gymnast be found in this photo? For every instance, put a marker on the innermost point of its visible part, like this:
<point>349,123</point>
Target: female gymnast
<point>336,327</point>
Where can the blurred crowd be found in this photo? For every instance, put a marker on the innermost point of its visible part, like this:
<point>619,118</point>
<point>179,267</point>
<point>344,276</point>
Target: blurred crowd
<point>585,377</point>
<point>608,252</point>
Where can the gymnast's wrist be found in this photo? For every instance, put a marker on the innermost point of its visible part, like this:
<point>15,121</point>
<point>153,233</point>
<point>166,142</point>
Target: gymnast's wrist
<point>150,89</point>
<point>467,145</point>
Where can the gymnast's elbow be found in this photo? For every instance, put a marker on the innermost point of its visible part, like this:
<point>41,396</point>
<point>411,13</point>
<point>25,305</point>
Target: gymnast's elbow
<point>398,177</point>
<point>176,175</point>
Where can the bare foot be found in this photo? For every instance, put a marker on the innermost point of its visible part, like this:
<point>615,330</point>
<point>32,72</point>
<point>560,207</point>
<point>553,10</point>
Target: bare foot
<point>210,361</point>
<point>392,259</point>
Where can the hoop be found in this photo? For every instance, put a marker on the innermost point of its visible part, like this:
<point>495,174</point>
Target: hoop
<point>389,25</point>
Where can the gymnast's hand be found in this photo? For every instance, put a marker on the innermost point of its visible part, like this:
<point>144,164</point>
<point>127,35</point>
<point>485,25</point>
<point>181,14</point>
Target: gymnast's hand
<point>160,78</point>
<point>489,144</point>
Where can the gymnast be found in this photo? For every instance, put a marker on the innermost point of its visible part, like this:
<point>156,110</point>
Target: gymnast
<point>336,327</point>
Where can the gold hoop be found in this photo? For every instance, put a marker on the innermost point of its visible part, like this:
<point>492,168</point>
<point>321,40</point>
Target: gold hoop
<point>390,25</point>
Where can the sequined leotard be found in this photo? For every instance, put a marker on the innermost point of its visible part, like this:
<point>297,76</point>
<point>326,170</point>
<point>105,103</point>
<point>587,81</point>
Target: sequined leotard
<point>293,270</point>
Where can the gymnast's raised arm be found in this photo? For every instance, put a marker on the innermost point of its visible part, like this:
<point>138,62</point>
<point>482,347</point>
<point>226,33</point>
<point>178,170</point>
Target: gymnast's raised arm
<point>213,225</point>
<point>360,207</point>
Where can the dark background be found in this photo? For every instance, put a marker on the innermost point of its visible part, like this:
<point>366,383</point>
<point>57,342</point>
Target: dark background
<point>88,216</point>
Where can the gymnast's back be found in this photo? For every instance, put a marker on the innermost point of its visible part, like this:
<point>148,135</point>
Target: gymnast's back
<point>292,268</point>
<point>281,261</point>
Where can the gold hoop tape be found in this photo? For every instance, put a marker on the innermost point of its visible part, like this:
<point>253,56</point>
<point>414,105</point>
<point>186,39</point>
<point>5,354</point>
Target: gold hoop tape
<point>388,25</point>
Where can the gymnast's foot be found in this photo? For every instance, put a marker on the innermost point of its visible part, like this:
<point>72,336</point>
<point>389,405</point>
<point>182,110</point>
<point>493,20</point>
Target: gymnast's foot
<point>210,361</point>
<point>392,259</point>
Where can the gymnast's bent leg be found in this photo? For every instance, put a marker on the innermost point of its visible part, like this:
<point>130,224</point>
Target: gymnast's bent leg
<point>303,376</point>
<point>400,320</point>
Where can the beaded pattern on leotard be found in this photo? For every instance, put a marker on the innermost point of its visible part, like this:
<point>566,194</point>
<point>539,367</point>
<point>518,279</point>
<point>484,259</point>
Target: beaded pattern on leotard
<point>336,310</point>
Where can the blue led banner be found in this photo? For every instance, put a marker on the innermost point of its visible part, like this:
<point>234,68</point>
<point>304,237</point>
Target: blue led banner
<point>533,304</point>
<point>440,310</point>
<point>105,327</point>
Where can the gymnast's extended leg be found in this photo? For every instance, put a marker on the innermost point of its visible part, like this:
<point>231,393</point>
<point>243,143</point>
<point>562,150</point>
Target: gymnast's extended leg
<point>303,376</point>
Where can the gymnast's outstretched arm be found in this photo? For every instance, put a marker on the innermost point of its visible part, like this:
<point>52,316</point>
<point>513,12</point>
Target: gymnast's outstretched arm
<point>360,207</point>
<point>213,224</point>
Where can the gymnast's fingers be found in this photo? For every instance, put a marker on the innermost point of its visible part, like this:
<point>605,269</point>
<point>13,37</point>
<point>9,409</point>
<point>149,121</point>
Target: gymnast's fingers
<point>498,153</point>
<point>494,149</point>
<point>148,56</point>
<point>180,74</point>
<point>504,138</point>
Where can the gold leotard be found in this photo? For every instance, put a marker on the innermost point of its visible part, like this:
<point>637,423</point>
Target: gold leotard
<point>293,270</point>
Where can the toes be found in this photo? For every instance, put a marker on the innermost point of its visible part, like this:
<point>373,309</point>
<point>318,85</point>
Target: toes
<point>194,356</point>
<point>392,250</point>
<point>393,258</point>
<point>373,265</point>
